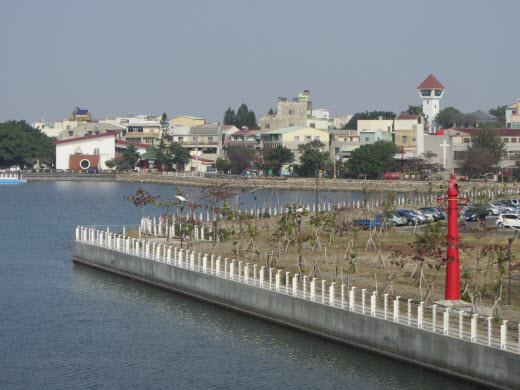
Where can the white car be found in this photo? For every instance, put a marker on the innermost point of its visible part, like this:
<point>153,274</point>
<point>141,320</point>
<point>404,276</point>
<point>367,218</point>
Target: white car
<point>508,220</point>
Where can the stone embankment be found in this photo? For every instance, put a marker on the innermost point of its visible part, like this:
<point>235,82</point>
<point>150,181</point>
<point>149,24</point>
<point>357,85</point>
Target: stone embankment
<point>291,184</point>
<point>68,176</point>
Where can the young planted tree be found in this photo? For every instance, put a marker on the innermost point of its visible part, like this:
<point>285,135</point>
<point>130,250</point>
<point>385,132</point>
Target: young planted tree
<point>131,155</point>
<point>179,155</point>
<point>141,198</point>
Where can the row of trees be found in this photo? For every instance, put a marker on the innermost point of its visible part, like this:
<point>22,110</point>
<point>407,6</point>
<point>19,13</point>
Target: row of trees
<point>450,117</point>
<point>243,117</point>
<point>21,144</point>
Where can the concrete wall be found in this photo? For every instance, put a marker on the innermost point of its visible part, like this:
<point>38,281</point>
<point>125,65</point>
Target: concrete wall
<point>471,361</point>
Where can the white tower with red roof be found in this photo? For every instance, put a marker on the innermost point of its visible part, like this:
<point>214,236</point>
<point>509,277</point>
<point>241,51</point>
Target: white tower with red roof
<point>431,91</point>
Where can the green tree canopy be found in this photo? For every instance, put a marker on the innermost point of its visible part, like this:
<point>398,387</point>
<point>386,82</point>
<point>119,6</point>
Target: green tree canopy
<point>352,124</point>
<point>179,155</point>
<point>131,155</point>
<point>313,157</point>
<point>500,113</point>
<point>477,162</point>
<point>447,117</point>
<point>373,159</point>
<point>229,117</point>
<point>223,165</point>
<point>414,110</point>
<point>276,158</point>
<point>488,139</point>
<point>20,143</point>
<point>241,158</point>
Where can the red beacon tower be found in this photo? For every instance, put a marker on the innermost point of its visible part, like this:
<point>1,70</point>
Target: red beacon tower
<point>452,267</point>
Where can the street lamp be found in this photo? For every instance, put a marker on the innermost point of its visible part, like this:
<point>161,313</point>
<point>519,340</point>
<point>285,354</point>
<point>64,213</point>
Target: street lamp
<point>317,178</point>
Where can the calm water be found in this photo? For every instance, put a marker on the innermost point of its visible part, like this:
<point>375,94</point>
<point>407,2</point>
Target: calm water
<point>66,326</point>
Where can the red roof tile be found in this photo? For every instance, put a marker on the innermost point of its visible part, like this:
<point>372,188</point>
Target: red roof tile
<point>408,116</point>
<point>431,83</point>
<point>87,137</point>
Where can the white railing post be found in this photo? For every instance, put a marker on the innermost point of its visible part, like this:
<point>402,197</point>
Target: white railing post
<point>474,327</point>
<point>262,276</point>
<point>313,289</point>
<point>323,291</point>
<point>295,285</point>
<point>212,265</point>
<point>351,300</point>
<point>232,269</point>
<point>396,309</point>
<point>489,330</point>
<point>446,321</point>
<point>409,311</point>
<point>434,316</point>
<point>169,255</point>
<point>246,273</point>
<point>205,264</point>
<point>385,308</point>
<point>342,296</point>
<point>270,278</point>
<point>461,320</point>
<point>254,274</point>
<point>77,233</point>
<point>192,260</point>
<point>305,287</point>
<point>278,280</point>
<point>331,293</point>
<point>239,270</point>
<point>199,260</point>
<point>287,281</point>
<point>363,291</point>
<point>225,267</point>
<point>503,334</point>
<point>373,303</point>
<point>147,251</point>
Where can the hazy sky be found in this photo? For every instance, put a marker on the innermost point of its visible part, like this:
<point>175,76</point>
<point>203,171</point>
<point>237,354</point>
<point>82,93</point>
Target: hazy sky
<point>192,57</point>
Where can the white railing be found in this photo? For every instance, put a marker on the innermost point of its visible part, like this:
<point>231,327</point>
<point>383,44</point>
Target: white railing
<point>481,329</point>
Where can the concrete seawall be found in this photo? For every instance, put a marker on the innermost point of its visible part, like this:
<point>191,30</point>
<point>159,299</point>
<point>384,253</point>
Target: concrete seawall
<point>470,361</point>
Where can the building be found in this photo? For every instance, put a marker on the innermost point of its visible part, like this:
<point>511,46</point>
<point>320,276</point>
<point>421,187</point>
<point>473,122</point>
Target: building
<point>319,123</point>
<point>321,113</point>
<point>289,113</point>
<point>204,140</point>
<point>341,121</point>
<point>431,91</point>
<point>146,132</point>
<point>90,128</point>
<point>292,137</point>
<point>86,152</point>
<point>483,117</point>
<point>187,121</point>
<point>375,124</point>
<point>409,133</point>
<point>246,138</point>
<point>513,115</point>
<point>81,115</point>
<point>46,127</point>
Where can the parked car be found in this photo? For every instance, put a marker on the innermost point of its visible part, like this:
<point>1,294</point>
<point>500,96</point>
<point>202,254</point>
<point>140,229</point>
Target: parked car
<point>367,223</point>
<point>436,213</point>
<point>421,218</point>
<point>411,219</point>
<point>391,219</point>
<point>495,208</point>
<point>508,220</point>
<point>507,207</point>
<point>94,170</point>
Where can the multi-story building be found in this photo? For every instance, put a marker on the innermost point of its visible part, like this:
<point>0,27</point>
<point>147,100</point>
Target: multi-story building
<point>292,137</point>
<point>148,132</point>
<point>46,127</point>
<point>341,121</point>
<point>80,115</point>
<point>290,113</point>
<point>513,115</point>
<point>246,138</point>
<point>187,121</point>
<point>431,91</point>
<point>375,124</point>
<point>409,133</point>
<point>90,128</point>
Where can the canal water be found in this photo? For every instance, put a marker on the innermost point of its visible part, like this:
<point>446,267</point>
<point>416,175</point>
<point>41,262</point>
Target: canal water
<point>66,326</point>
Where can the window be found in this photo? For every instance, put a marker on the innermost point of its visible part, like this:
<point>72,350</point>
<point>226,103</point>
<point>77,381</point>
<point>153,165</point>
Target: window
<point>317,137</point>
<point>405,139</point>
<point>96,151</point>
<point>195,138</point>
<point>71,133</point>
<point>336,150</point>
<point>68,127</point>
<point>513,140</point>
<point>413,139</point>
<point>149,140</point>
<point>296,137</point>
<point>267,126</point>
<point>313,125</point>
<point>466,140</point>
<point>180,138</point>
<point>426,92</point>
<point>291,124</point>
<point>291,112</point>
<point>438,92</point>
<point>308,138</point>
<point>506,140</point>
<point>367,139</point>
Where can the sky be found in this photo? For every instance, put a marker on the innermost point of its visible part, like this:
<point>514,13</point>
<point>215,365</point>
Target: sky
<point>120,57</point>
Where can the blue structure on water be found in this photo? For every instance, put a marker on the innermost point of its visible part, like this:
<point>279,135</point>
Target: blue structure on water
<point>12,178</point>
